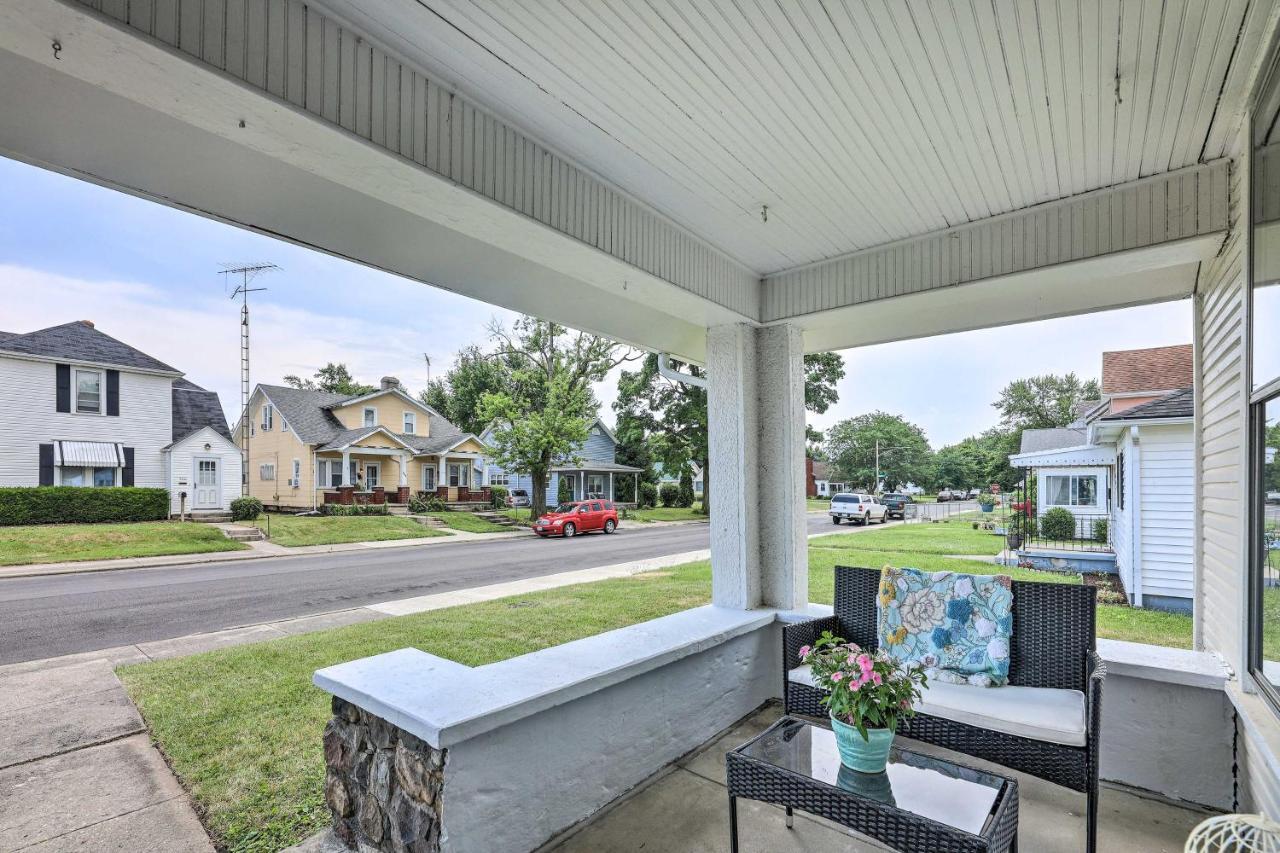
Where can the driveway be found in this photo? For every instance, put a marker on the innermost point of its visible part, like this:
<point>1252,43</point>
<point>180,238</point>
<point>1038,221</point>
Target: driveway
<point>63,614</point>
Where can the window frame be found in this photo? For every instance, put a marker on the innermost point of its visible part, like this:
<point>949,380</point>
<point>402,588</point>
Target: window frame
<point>102,381</point>
<point>268,417</point>
<point>1073,490</point>
<point>366,421</point>
<point>410,423</point>
<point>263,469</point>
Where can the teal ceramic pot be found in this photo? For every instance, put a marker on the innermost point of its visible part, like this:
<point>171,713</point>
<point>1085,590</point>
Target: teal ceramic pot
<point>865,756</point>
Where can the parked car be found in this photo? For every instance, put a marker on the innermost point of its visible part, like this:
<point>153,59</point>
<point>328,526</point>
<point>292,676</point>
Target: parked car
<point>1273,497</point>
<point>519,497</point>
<point>570,519</point>
<point>944,495</point>
<point>895,505</point>
<point>858,508</point>
<point>973,493</point>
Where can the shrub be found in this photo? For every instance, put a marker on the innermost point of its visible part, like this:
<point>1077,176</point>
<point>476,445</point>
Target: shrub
<point>564,490</point>
<point>648,495</point>
<point>424,502</point>
<point>353,509</point>
<point>1100,529</point>
<point>1058,523</point>
<point>75,505</point>
<point>670,494</point>
<point>245,509</point>
<point>497,496</point>
<point>686,487</point>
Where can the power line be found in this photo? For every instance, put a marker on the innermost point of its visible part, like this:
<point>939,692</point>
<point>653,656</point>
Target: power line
<point>247,273</point>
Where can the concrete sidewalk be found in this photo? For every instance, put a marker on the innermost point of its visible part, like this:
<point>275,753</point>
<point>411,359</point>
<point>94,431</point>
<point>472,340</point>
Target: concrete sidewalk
<point>78,772</point>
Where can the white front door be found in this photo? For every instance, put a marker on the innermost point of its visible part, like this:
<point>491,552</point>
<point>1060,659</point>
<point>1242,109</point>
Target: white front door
<point>208,484</point>
<point>372,474</point>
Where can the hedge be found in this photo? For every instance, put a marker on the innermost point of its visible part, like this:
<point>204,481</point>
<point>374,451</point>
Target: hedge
<point>77,505</point>
<point>354,509</point>
<point>245,509</point>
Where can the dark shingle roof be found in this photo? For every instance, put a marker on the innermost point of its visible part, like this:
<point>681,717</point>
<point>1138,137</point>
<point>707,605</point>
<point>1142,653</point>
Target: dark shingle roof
<point>1179,404</point>
<point>195,408</point>
<point>309,415</point>
<point>1133,371</point>
<point>1039,440</point>
<point>79,341</point>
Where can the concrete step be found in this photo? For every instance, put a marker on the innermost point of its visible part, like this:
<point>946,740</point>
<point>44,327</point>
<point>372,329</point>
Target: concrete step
<point>209,517</point>
<point>495,517</point>
<point>398,509</point>
<point>244,534</point>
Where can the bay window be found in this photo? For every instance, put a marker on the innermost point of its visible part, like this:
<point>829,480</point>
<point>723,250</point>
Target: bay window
<point>1071,490</point>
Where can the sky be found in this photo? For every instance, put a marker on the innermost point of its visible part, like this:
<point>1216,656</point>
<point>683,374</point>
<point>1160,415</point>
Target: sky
<point>148,275</point>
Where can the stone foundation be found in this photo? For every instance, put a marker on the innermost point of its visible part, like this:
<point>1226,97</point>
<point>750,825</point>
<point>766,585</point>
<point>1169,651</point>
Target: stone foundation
<point>384,787</point>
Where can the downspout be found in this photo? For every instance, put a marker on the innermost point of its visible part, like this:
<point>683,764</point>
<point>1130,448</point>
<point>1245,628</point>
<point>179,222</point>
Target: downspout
<point>668,372</point>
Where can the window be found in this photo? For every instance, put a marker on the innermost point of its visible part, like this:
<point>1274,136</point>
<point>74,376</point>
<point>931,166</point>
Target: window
<point>104,477</point>
<point>595,485</point>
<point>1071,490</point>
<point>499,478</point>
<point>410,423</point>
<point>73,477</point>
<point>1120,480</point>
<point>370,416</point>
<point>268,417</point>
<point>297,473</point>
<point>89,391</point>
<point>372,474</point>
<point>428,478</point>
<point>1264,409</point>
<point>266,471</point>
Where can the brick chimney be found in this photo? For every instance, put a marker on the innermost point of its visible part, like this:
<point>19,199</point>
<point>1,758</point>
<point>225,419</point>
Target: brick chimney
<point>390,383</point>
<point>88,323</point>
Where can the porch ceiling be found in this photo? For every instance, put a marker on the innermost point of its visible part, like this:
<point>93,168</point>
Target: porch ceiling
<point>858,123</point>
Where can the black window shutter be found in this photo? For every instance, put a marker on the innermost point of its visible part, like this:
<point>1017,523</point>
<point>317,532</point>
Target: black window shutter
<point>126,476</point>
<point>46,464</point>
<point>64,387</point>
<point>113,392</point>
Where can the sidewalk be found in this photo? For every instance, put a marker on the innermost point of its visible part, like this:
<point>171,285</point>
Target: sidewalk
<point>256,551</point>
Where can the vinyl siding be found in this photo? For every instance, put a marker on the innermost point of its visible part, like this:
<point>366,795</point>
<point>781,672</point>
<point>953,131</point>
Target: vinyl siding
<point>1167,510</point>
<point>1220,325</point>
<point>29,418</point>
<point>390,410</point>
<point>1122,520</point>
<point>181,467</point>
<point>279,447</point>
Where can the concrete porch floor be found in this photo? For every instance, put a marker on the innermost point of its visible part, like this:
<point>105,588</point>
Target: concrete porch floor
<point>686,809</point>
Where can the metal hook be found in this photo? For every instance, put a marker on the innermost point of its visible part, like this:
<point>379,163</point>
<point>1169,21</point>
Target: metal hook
<point>57,49</point>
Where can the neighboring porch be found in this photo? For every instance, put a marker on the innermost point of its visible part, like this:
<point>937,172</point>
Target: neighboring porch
<point>366,475</point>
<point>1064,516</point>
<point>605,480</point>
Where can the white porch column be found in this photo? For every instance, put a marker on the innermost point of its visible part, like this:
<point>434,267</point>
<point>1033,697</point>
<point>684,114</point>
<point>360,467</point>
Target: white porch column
<point>443,479</point>
<point>756,420</point>
<point>346,468</point>
<point>404,469</point>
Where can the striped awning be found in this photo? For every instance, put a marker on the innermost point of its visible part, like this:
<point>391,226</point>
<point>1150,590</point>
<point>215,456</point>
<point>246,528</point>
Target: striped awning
<point>99,454</point>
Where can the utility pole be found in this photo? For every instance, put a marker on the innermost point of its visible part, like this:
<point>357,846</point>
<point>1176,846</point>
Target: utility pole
<point>247,273</point>
<point>427,357</point>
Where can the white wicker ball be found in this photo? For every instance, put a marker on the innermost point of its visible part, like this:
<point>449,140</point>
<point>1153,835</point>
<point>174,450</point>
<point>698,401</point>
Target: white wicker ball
<point>1235,833</point>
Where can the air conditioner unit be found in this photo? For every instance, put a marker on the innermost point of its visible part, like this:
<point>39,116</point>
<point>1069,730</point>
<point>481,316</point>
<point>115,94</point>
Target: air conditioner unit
<point>293,484</point>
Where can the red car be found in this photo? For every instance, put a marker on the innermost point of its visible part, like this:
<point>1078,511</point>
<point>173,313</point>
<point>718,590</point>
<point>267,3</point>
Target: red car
<point>570,519</point>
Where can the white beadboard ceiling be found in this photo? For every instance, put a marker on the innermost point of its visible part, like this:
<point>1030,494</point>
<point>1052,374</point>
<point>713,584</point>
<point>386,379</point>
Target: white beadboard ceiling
<point>858,122</point>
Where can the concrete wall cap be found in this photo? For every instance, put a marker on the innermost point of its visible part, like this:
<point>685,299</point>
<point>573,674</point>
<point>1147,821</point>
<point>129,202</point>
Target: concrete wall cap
<point>1159,663</point>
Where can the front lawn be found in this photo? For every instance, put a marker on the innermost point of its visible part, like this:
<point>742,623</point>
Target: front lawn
<point>56,543</point>
<point>293,530</point>
<point>666,513</point>
<point>815,505</point>
<point>468,521</point>
<point>242,726</point>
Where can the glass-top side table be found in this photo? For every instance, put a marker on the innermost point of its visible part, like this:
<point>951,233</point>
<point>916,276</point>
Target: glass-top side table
<point>920,803</point>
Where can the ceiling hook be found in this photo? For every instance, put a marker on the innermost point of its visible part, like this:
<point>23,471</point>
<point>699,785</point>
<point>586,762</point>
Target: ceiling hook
<point>57,49</point>
<point>764,213</point>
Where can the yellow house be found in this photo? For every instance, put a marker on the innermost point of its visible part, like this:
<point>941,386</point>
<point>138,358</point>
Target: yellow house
<point>307,448</point>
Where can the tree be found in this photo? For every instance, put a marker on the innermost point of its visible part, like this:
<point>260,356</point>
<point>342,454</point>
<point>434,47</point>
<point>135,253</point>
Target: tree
<point>1041,402</point>
<point>458,393</point>
<point>541,418</point>
<point>686,486</point>
<point>673,416</point>
<point>333,378</point>
<point>904,455</point>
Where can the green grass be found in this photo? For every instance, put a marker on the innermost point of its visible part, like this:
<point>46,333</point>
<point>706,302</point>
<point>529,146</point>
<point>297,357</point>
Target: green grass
<point>468,521</point>
<point>242,726</point>
<point>814,505</point>
<point>950,538</point>
<point>667,513</point>
<point>293,531</point>
<point>56,543</point>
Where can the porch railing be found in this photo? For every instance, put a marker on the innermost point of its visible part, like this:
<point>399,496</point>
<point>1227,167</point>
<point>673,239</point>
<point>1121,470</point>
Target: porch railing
<point>1085,532</point>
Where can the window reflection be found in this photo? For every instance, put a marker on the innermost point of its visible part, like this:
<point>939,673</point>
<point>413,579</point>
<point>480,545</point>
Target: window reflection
<point>1269,553</point>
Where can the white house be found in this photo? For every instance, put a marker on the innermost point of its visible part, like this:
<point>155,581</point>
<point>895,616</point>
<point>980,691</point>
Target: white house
<point>1125,469</point>
<point>672,478</point>
<point>81,408</point>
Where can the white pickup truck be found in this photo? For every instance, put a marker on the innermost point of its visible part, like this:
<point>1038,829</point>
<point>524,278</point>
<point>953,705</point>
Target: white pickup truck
<point>858,508</point>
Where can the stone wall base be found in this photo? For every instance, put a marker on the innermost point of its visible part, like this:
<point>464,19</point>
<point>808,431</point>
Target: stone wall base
<point>384,787</point>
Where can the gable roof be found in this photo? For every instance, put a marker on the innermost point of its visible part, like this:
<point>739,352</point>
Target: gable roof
<point>1180,404</point>
<point>195,408</point>
<point>378,392</point>
<point>80,341</point>
<point>1055,438</point>
<point>1155,369</point>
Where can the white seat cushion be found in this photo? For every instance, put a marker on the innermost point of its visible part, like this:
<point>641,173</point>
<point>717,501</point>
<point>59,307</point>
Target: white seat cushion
<point>1038,713</point>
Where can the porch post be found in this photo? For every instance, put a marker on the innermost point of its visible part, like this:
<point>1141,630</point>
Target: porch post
<point>756,434</point>
<point>346,467</point>
<point>442,479</point>
<point>611,495</point>
<point>404,469</point>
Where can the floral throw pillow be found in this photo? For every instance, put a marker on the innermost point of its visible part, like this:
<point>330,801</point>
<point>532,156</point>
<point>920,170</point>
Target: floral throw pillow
<point>956,626</point>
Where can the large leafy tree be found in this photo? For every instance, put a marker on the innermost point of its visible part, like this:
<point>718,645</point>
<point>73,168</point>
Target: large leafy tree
<point>541,418</point>
<point>672,417</point>
<point>334,378</point>
<point>1041,402</point>
<point>458,394</point>
<point>904,452</point>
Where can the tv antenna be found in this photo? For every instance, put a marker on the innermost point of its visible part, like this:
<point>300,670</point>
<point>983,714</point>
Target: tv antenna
<point>427,357</point>
<point>246,273</point>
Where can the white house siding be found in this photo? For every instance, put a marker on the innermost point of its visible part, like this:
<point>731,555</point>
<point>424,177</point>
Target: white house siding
<point>181,467</point>
<point>1220,324</point>
<point>30,418</point>
<point>1167,514</point>
<point>1121,530</point>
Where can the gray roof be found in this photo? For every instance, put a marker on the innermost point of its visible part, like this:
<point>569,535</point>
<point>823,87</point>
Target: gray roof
<point>79,341</point>
<point>309,415</point>
<point>1039,440</point>
<point>1179,404</point>
<point>195,408</point>
<point>596,465</point>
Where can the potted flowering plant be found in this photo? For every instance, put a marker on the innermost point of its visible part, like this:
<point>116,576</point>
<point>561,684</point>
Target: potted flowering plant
<point>867,693</point>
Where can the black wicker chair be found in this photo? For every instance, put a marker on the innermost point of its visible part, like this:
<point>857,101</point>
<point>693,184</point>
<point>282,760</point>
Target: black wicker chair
<point>1053,646</point>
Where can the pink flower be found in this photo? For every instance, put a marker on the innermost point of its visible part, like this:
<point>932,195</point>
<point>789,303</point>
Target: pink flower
<point>804,652</point>
<point>851,659</point>
<point>875,676</point>
<point>865,663</point>
<point>837,676</point>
